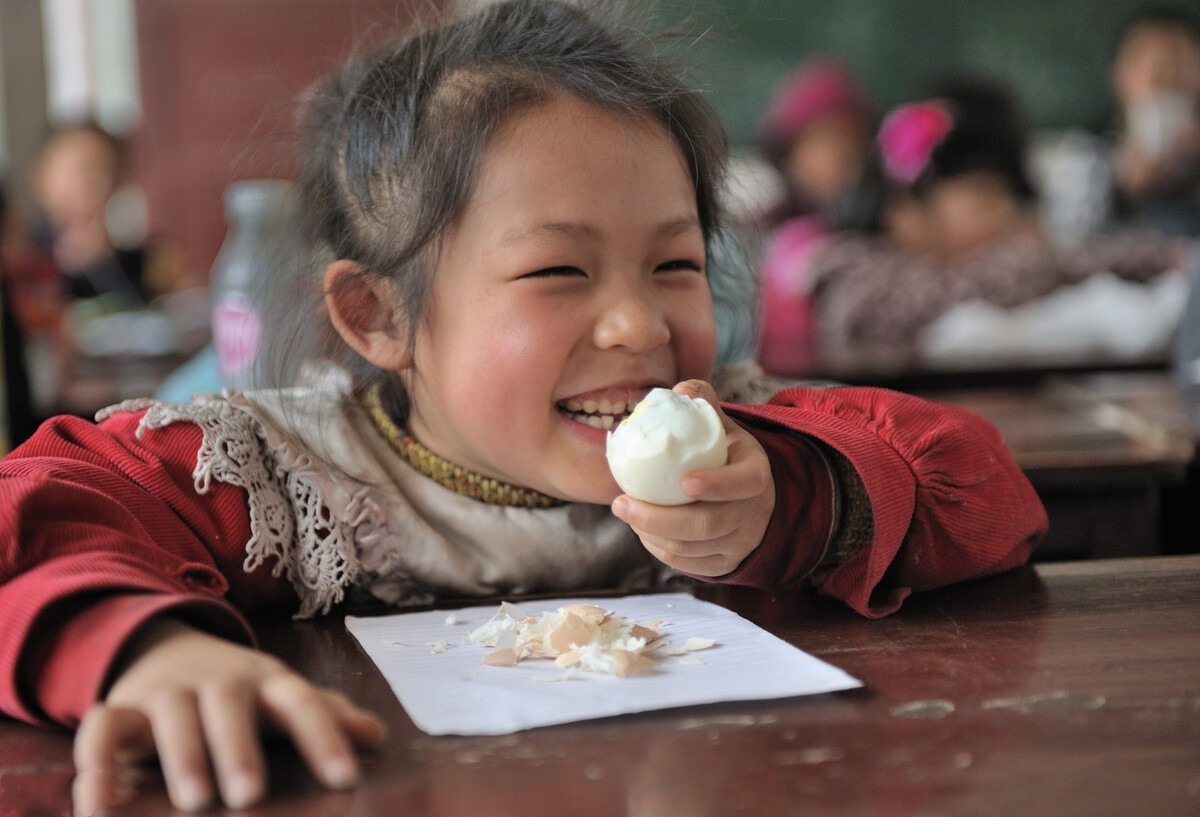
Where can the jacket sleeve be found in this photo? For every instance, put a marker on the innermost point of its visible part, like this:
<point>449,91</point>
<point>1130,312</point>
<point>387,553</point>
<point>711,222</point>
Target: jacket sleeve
<point>99,532</point>
<point>945,499</point>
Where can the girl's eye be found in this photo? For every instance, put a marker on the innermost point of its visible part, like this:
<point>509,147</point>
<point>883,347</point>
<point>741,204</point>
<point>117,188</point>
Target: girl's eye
<point>555,272</point>
<point>680,264</point>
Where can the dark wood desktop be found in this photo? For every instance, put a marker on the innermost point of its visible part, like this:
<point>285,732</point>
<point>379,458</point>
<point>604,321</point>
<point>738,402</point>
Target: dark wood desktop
<point>1058,689</point>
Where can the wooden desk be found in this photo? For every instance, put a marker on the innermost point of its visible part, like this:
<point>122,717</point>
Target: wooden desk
<point>1062,689</point>
<point>1099,448</point>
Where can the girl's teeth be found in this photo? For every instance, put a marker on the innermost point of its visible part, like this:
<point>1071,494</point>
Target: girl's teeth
<point>605,422</point>
<point>602,414</point>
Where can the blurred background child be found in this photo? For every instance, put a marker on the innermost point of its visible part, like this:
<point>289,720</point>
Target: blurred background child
<point>953,220</point>
<point>105,307</point>
<point>816,133</point>
<point>1156,81</point>
<point>76,180</point>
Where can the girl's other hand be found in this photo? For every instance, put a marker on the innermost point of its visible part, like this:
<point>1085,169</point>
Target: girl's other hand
<point>196,702</point>
<point>713,535</point>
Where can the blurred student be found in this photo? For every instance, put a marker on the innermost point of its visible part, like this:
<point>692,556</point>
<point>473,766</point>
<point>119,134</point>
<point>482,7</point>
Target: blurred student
<point>77,174</point>
<point>954,223</point>
<point>1156,81</point>
<point>816,132</point>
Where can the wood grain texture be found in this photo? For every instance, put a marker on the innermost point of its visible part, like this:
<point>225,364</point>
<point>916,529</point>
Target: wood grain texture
<point>1064,689</point>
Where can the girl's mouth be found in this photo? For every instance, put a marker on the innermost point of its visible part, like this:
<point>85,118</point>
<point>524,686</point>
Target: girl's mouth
<point>601,414</point>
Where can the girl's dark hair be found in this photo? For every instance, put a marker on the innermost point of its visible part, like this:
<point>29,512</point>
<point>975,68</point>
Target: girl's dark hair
<point>990,134</point>
<point>390,145</point>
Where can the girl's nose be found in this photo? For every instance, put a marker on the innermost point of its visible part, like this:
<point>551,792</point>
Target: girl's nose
<point>633,321</point>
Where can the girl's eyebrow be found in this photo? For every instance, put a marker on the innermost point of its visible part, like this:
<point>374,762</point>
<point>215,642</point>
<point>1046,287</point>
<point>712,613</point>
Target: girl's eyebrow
<point>581,230</point>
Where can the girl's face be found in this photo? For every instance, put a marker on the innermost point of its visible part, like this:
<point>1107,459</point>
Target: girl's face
<point>572,283</point>
<point>826,158</point>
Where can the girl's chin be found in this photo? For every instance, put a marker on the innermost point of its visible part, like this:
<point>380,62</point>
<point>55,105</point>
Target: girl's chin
<point>586,479</point>
<point>598,488</point>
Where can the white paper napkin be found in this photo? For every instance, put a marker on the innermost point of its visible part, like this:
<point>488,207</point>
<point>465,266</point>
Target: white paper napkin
<point>446,688</point>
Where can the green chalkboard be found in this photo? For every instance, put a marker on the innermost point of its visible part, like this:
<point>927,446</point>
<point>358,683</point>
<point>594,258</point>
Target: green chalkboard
<point>1053,53</point>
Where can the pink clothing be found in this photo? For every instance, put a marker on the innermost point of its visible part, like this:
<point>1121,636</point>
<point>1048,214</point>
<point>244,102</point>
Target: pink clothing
<point>788,332</point>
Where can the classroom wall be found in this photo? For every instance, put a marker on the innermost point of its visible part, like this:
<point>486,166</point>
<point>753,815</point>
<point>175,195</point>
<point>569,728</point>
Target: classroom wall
<point>22,98</point>
<point>1054,53</point>
<point>219,82</point>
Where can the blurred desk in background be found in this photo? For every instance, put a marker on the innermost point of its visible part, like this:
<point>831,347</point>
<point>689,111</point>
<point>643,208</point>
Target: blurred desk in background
<point>1102,449</point>
<point>121,354</point>
<point>104,380</point>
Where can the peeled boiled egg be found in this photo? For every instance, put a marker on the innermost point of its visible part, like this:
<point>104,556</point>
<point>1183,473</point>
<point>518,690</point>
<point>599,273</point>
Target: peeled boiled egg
<point>666,437</point>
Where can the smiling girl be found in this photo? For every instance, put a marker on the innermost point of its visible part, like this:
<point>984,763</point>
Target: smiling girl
<point>514,214</point>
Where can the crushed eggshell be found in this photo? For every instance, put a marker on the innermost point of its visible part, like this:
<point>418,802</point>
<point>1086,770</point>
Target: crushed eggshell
<point>583,636</point>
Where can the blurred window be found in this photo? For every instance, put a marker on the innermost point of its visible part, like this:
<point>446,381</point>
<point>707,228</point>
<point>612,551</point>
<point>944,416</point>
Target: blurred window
<point>91,62</point>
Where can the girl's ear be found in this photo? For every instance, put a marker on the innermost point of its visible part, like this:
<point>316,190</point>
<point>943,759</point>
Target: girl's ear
<point>361,308</point>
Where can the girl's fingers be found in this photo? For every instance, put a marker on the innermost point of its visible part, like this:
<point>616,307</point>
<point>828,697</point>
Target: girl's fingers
<point>364,728</point>
<point>697,524</point>
<point>108,738</point>
<point>744,477</point>
<point>182,752</point>
<point>231,731</point>
<point>200,703</point>
<point>716,564</point>
<point>299,709</point>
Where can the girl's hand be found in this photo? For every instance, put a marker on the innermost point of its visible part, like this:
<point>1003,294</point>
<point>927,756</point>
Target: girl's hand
<point>713,535</point>
<point>196,701</point>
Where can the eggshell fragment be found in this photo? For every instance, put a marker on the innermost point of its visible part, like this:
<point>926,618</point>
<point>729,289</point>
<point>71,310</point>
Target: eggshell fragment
<point>571,631</point>
<point>581,636</point>
<point>667,437</point>
<point>506,657</point>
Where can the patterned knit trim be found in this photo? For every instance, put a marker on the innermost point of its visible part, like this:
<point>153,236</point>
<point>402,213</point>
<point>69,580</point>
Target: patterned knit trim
<point>290,521</point>
<point>445,473</point>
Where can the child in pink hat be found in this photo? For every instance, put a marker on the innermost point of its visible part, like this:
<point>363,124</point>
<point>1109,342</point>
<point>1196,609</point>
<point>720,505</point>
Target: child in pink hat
<point>816,132</point>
